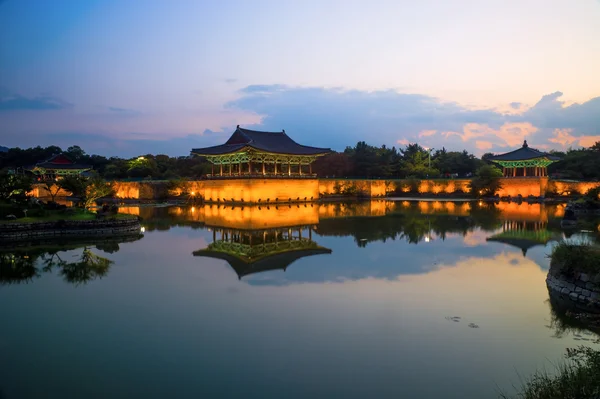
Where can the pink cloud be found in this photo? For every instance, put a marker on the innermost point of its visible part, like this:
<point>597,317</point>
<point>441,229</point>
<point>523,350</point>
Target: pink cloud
<point>565,138</point>
<point>403,142</point>
<point>427,133</point>
<point>483,145</point>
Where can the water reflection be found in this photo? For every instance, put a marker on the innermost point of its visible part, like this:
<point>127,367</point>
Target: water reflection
<point>76,263</point>
<point>254,251</point>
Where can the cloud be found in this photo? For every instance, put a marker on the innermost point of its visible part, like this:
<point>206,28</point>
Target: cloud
<point>15,102</point>
<point>565,138</point>
<point>124,111</point>
<point>336,118</point>
<point>231,80</point>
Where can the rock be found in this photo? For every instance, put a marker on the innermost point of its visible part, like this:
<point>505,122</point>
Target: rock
<point>582,298</point>
<point>586,293</point>
<point>595,295</point>
<point>584,277</point>
<point>578,289</point>
<point>570,286</point>
<point>574,296</point>
<point>590,286</point>
<point>565,291</point>
<point>597,279</point>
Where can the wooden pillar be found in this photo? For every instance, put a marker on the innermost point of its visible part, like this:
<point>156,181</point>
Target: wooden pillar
<point>300,168</point>
<point>221,166</point>
<point>310,168</point>
<point>214,235</point>
<point>310,234</point>
<point>240,168</point>
<point>275,163</point>
<point>230,169</point>
<point>525,171</point>
<point>514,172</point>
<point>263,164</point>
<point>289,168</point>
<point>212,169</point>
<point>249,167</point>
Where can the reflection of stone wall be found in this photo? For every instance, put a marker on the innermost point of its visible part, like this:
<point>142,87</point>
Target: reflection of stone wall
<point>24,231</point>
<point>582,289</point>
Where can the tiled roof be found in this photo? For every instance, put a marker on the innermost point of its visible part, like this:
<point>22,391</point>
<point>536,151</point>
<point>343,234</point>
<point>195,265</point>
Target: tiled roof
<point>274,142</point>
<point>524,153</point>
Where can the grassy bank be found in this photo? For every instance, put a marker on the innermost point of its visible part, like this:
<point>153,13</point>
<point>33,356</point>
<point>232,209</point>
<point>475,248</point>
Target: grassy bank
<point>577,378</point>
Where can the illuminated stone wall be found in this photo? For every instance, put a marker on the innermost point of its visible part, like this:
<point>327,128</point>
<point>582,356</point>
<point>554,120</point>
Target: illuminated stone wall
<point>559,187</point>
<point>40,192</point>
<point>251,190</point>
<point>260,190</point>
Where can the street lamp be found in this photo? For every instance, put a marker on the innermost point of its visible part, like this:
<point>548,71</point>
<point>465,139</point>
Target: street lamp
<point>429,155</point>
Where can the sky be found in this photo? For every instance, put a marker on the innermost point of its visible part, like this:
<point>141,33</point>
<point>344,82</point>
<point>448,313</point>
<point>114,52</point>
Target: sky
<point>134,77</point>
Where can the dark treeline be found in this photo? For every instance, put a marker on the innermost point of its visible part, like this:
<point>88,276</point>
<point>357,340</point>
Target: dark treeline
<point>362,160</point>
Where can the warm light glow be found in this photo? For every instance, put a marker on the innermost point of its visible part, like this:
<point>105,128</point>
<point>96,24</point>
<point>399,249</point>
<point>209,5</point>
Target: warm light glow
<point>193,209</point>
<point>192,194</point>
<point>142,229</point>
<point>427,238</point>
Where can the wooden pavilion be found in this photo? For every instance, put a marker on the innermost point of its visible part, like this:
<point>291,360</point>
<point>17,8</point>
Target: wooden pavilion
<point>58,166</point>
<point>251,153</point>
<point>255,251</point>
<point>525,162</point>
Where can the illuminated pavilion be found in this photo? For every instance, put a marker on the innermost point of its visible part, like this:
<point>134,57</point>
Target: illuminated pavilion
<point>255,251</point>
<point>58,166</point>
<point>252,153</point>
<point>525,162</point>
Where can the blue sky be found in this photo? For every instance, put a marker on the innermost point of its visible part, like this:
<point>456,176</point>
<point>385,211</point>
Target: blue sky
<point>133,77</point>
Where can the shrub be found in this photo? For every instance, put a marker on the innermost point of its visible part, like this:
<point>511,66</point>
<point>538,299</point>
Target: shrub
<point>486,182</point>
<point>571,257</point>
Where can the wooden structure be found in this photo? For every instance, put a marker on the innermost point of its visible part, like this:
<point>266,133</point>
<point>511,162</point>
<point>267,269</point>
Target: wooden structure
<point>255,251</point>
<point>525,162</point>
<point>251,153</point>
<point>58,166</point>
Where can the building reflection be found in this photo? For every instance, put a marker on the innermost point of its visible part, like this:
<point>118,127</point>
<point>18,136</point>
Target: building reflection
<point>255,251</point>
<point>525,234</point>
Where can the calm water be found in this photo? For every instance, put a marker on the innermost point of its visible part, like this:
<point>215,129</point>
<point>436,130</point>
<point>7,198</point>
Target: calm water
<point>375,300</point>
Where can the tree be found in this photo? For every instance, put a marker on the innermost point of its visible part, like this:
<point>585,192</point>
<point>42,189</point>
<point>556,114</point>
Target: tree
<point>97,188</point>
<point>75,152</point>
<point>14,187</point>
<point>486,182</point>
<point>52,189</point>
<point>88,190</point>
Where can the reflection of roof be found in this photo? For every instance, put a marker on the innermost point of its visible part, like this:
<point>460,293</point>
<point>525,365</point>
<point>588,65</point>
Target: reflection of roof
<point>61,161</point>
<point>279,260</point>
<point>524,153</point>
<point>274,142</point>
<point>523,239</point>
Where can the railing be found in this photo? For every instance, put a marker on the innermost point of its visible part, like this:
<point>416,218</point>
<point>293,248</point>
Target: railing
<point>261,176</point>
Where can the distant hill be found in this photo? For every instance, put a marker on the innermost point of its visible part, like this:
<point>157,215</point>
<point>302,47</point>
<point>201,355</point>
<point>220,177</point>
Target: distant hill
<point>3,149</point>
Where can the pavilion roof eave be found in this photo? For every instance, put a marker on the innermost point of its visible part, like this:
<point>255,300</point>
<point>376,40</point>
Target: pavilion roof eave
<point>226,149</point>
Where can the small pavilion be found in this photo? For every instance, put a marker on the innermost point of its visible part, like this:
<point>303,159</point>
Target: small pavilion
<point>252,153</point>
<point>255,251</point>
<point>525,162</point>
<point>58,166</point>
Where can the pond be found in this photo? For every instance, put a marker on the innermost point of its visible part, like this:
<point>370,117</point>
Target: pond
<point>381,299</point>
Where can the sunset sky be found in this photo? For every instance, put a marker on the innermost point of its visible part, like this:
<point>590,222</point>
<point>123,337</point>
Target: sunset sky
<point>147,76</point>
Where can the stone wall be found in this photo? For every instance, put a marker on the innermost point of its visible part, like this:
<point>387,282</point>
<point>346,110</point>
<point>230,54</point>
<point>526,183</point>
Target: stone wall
<point>11,231</point>
<point>260,190</point>
<point>582,289</point>
<point>251,190</point>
